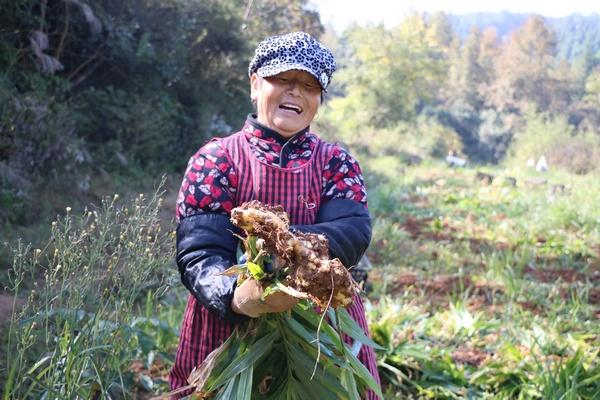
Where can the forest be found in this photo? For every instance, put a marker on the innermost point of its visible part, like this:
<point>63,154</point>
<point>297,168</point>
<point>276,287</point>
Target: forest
<point>484,278</point>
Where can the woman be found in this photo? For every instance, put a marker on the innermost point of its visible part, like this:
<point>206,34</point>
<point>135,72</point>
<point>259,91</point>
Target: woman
<point>276,160</point>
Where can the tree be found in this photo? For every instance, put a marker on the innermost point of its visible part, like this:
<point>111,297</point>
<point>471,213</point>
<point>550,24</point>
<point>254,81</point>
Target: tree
<point>467,74</point>
<point>392,81</point>
<point>523,69</point>
<point>111,85</point>
<point>587,111</point>
<point>265,18</point>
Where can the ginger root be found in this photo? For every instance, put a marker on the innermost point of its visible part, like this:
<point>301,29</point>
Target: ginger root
<point>326,282</point>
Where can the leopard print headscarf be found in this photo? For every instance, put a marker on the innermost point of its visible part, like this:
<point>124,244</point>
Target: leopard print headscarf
<point>297,50</point>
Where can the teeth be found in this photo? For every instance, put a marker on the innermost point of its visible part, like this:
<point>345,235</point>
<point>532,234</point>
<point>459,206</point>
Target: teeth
<point>293,107</point>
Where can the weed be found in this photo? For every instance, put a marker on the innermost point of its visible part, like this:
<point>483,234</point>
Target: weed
<point>79,331</point>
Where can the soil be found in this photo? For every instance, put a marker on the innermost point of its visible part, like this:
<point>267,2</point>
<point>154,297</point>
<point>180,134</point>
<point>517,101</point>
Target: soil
<point>483,295</point>
<point>533,307</point>
<point>553,275</point>
<point>6,307</point>
<point>440,286</point>
<point>594,297</point>
<point>419,227</point>
<point>444,285</point>
<point>474,357</point>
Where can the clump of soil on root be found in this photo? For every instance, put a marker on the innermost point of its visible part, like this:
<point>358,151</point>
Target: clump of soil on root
<point>326,282</point>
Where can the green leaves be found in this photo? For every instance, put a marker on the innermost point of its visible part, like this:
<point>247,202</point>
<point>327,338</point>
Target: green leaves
<point>351,328</point>
<point>246,359</point>
<point>285,355</point>
<point>256,271</point>
<point>282,356</point>
<point>238,388</point>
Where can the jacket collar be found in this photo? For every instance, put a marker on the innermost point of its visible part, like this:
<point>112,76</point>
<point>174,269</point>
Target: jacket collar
<point>254,128</point>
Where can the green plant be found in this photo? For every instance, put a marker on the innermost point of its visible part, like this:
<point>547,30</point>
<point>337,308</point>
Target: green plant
<point>78,332</point>
<point>492,294</point>
<point>573,377</point>
<point>288,355</point>
<point>557,140</point>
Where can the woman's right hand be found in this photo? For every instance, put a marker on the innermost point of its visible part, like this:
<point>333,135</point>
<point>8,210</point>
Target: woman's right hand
<point>247,300</point>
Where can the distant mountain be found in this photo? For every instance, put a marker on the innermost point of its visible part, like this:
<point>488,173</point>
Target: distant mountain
<point>575,34</point>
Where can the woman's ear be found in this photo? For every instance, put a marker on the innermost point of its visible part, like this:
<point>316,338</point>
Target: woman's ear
<point>254,87</point>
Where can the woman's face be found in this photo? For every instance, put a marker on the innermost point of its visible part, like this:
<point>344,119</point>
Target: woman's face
<point>286,102</point>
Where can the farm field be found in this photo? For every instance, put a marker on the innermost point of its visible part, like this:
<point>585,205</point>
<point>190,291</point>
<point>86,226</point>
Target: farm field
<point>484,289</point>
<point>482,286</point>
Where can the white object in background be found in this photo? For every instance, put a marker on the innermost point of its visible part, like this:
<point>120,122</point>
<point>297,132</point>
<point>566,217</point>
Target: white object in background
<point>542,165</point>
<point>454,161</point>
<point>530,163</point>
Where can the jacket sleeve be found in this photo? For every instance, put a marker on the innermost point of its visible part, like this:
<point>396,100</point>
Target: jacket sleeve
<point>206,247</point>
<point>347,226</point>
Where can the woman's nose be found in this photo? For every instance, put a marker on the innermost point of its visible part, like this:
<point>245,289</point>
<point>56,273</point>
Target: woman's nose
<point>294,86</point>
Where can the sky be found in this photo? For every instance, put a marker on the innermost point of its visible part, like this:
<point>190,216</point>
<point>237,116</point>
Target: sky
<point>340,13</point>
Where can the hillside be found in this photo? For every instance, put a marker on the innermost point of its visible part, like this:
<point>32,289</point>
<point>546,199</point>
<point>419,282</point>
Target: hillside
<point>573,32</point>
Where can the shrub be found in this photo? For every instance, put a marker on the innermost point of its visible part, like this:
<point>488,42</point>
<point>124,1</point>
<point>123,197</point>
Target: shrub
<point>78,333</point>
<point>404,143</point>
<point>556,139</point>
<point>38,144</point>
<point>579,155</point>
<point>128,127</point>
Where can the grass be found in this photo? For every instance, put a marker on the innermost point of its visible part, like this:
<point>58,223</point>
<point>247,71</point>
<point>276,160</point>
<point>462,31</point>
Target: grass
<point>91,314</point>
<point>478,291</point>
<point>486,291</point>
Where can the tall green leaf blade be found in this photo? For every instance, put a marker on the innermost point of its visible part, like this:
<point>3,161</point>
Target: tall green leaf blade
<point>363,374</point>
<point>348,382</point>
<point>246,359</point>
<point>275,365</point>
<point>326,343</point>
<point>351,328</point>
<point>305,388</point>
<point>307,316</point>
<point>323,383</point>
<point>227,391</point>
<point>295,390</point>
<point>220,358</point>
<point>244,389</point>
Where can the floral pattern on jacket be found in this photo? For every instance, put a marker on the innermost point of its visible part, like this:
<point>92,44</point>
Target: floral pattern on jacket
<point>210,181</point>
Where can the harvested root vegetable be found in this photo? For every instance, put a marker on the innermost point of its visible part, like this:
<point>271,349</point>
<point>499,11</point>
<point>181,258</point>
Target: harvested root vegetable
<point>306,255</point>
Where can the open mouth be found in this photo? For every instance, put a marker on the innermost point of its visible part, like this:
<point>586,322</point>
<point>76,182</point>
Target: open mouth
<point>291,107</point>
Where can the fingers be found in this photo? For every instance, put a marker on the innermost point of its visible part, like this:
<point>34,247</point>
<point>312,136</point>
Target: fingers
<point>279,302</point>
<point>247,300</point>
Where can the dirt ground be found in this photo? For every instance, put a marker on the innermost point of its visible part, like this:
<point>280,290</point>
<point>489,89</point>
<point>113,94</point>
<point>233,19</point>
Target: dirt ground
<point>6,305</point>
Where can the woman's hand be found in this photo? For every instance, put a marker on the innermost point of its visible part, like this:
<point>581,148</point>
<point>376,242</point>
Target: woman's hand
<point>247,300</point>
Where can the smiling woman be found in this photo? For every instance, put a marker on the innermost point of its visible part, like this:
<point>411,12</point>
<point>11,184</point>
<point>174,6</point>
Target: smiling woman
<point>276,160</point>
<point>286,102</point>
